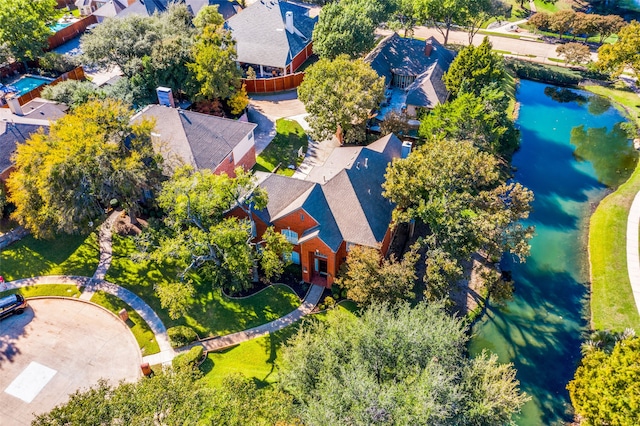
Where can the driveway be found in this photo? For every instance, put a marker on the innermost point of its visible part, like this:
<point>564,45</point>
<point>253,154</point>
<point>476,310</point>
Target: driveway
<point>56,347</point>
<point>264,110</point>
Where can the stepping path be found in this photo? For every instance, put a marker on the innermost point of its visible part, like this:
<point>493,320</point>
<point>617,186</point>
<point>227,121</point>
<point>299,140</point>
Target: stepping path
<point>216,343</point>
<point>90,285</point>
<point>633,252</point>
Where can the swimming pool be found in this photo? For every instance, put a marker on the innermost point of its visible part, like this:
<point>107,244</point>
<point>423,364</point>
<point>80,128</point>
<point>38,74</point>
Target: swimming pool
<point>58,26</point>
<point>27,83</point>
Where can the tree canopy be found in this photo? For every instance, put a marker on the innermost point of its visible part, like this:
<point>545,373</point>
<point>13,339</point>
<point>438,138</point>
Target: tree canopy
<point>457,191</point>
<point>606,386</point>
<point>339,96</point>
<point>370,279</point>
<point>24,27</point>
<point>623,54</point>
<point>395,366</point>
<point>64,179</point>
<point>201,239</point>
<point>176,397</point>
<point>474,68</point>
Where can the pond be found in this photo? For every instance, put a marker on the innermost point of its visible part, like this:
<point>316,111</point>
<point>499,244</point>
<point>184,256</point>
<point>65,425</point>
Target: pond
<point>572,149</point>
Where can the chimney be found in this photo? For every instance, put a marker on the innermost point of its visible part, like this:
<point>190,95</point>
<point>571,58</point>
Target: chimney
<point>165,97</point>
<point>406,149</point>
<point>130,2</point>
<point>428,47</point>
<point>14,104</point>
<point>288,20</point>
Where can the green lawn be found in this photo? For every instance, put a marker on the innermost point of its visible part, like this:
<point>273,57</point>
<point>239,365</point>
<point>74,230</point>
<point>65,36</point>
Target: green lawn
<point>62,290</point>
<point>256,359</point>
<point>552,6</point>
<point>139,327</point>
<point>612,303</point>
<point>64,255</point>
<point>283,149</point>
<point>211,313</point>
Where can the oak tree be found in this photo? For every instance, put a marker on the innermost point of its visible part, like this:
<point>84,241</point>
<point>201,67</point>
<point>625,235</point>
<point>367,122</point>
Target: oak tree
<point>339,96</point>
<point>623,54</point>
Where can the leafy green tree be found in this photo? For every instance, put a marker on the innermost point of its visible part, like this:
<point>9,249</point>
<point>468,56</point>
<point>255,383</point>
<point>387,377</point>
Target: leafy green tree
<point>607,25</point>
<point>456,190</point>
<point>343,28</point>
<point>370,279</point>
<point>481,119</point>
<point>202,240</point>
<point>339,95</point>
<point>395,366</point>
<point>65,179</point>
<point>606,386</point>
<point>442,14</point>
<point>24,27</point>
<point>478,13</point>
<point>172,398</point>
<point>473,69</point>
<point>561,22</point>
<point>208,15</point>
<point>623,54</point>
<point>214,67</point>
<point>71,92</point>
<point>540,21</point>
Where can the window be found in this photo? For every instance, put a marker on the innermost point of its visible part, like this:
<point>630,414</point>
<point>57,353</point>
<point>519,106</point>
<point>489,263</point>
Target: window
<point>290,235</point>
<point>294,257</point>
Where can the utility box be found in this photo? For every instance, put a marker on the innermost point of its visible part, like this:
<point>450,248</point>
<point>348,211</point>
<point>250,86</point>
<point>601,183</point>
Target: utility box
<point>124,315</point>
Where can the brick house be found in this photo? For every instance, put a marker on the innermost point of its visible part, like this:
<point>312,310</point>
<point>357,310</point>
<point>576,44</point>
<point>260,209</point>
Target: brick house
<point>340,204</point>
<point>273,37</point>
<point>200,140</point>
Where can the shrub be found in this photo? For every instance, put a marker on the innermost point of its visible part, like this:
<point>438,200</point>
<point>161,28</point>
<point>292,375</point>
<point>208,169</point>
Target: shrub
<point>329,302</point>
<point>189,359</point>
<point>56,63</point>
<point>181,335</point>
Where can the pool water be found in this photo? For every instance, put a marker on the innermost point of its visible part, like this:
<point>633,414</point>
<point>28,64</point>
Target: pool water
<point>572,149</point>
<point>27,83</point>
<point>58,26</point>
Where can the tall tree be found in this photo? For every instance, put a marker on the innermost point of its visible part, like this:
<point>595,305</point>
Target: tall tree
<point>396,366</point>
<point>481,119</point>
<point>478,13</point>
<point>574,53</point>
<point>199,237</point>
<point>442,14</point>
<point>623,54</point>
<point>606,386</point>
<point>561,22</point>
<point>456,190</point>
<point>473,69</point>
<point>65,179</point>
<point>607,25</point>
<point>339,96</point>
<point>370,279</point>
<point>24,27</point>
<point>343,28</point>
<point>214,66</point>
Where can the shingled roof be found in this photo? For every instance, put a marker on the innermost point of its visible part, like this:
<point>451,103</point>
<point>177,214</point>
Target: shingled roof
<point>148,7</point>
<point>200,140</point>
<point>406,56</point>
<point>349,206</point>
<point>261,37</point>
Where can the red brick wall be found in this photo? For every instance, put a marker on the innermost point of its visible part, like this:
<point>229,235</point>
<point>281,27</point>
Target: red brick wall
<point>307,255</point>
<point>386,241</point>
<point>5,175</point>
<point>249,159</point>
<point>226,166</point>
<point>294,222</point>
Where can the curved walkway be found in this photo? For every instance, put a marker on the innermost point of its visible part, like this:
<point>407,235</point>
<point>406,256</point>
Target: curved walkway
<point>633,252</point>
<point>89,285</point>
<point>216,343</point>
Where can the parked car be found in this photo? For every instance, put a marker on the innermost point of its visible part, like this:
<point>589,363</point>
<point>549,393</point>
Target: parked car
<point>12,304</point>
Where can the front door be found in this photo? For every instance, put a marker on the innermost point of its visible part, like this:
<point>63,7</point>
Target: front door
<point>321,266</point>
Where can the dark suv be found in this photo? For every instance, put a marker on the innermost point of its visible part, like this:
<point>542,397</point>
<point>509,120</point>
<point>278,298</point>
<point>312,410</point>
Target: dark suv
<point>12,304</point>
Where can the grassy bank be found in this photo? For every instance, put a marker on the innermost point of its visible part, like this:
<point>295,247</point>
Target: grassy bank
<point>612,303</point>
<point>60,290</point>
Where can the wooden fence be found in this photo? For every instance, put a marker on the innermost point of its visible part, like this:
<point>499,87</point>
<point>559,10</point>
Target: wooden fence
<point>67,33</point>
<point>274,84</point>
<point>74,74</point>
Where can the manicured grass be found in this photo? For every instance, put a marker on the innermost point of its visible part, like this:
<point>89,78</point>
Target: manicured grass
<point>63,255</point>
<point>510,86</point>
<point>283,149</point>
<point>257,359</point>
<point>612,304</point>
<point>139,327</point>
<point>61,290</point>
<point>211,313</point>
<point>552,6</point>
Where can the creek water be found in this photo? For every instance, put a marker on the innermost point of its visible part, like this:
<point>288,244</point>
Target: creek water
<point>572,149</point>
